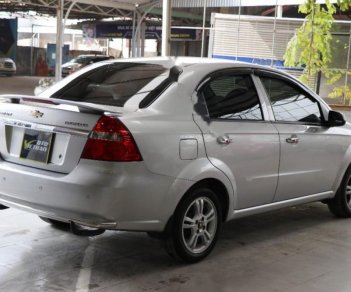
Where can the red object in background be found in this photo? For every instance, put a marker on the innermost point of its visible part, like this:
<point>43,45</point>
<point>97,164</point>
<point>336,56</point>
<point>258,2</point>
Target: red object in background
<point>41,67</point>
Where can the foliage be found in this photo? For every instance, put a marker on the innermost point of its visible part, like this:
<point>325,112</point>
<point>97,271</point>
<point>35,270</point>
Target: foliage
<point>341,91</point>
<point>344,4</point>
<point>310,47</point>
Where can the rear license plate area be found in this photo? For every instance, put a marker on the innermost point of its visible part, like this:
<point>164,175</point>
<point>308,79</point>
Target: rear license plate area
<point>36,145</point>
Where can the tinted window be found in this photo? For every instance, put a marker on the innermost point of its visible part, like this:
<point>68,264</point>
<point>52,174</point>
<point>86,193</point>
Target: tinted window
<point>232,97</point>
<point>289,103</point>
<point>111,84</point>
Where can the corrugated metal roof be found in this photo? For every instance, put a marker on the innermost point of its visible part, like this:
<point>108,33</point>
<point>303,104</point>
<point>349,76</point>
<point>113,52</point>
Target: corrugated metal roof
<point>236,3</point>
<point>210,3</point>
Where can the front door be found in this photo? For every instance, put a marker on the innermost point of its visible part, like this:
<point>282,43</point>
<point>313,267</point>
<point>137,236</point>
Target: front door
<point>310,158</point>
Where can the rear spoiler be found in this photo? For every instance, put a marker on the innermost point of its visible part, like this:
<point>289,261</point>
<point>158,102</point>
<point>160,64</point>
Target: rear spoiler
<point>82,106</point>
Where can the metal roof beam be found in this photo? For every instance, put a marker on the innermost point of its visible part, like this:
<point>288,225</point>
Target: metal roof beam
<point>175,14</point>
<point>107,3</point>
<point>87,8</point>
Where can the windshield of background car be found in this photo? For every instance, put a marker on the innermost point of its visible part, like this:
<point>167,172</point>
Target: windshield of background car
<point>111,84</point>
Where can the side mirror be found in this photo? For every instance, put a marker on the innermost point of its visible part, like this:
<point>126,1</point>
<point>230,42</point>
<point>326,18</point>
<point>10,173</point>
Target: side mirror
<point>336,119</point>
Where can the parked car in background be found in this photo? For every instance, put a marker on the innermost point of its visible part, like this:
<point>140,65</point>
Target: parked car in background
<point>82,61</point>
<point>7,66</point>
<point>172,146</point>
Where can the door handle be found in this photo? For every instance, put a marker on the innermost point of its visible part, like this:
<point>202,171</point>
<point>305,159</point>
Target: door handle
<point>292,140</point>
<point>224,140</point>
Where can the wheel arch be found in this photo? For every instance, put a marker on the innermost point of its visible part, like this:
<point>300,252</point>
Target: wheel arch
<point>342,170</point>
<point>218,188</point>
<point>200,173</point>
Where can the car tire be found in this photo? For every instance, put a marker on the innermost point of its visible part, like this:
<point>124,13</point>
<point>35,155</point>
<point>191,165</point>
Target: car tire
<point>56,223</point>
<point>340,205</point>
<point>194,228</point>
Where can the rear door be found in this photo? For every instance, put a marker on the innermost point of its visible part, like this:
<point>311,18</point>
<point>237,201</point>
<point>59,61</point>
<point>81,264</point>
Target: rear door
<point>238,137</point>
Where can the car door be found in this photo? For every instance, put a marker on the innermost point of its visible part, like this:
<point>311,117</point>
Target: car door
<point>310,155</point>
<point>238,139</point>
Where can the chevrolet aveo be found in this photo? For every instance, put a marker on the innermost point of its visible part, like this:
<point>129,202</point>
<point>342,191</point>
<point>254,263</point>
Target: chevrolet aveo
<point>171,146</point>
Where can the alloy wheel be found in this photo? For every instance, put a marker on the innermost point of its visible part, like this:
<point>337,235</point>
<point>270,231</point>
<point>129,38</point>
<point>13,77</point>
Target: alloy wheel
<point>199,225</point>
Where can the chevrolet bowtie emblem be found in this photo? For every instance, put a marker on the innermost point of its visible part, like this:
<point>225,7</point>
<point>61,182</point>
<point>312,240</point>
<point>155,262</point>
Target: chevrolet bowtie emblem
<point>37,114</point>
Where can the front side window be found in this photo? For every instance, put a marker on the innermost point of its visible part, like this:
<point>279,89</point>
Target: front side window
<point>291,104</point>
<point>111,84</point>
<point>232,97</point>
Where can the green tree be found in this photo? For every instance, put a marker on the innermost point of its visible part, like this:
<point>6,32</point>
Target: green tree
<point>310,47</point>
<point>344,4</point>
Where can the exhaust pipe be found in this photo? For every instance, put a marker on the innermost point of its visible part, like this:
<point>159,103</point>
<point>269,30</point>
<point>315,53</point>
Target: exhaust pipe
<point>81,231</point>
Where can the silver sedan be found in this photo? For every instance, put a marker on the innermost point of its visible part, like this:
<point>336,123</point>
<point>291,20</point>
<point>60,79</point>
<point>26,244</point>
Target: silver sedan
<point>171,146</point>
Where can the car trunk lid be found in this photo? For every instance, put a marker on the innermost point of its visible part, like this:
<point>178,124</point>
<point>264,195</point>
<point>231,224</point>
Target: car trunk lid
<point>44,133</point>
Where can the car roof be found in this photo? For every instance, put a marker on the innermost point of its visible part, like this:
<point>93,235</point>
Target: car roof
<point>169,62</point>
<point>92,56</point>
<point>190,64</point>
<point>199,63</point>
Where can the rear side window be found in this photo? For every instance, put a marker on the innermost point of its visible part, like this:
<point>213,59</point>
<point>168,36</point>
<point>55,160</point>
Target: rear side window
<point>232,97</point>
<point>111,84</point>
<point>291,104</point>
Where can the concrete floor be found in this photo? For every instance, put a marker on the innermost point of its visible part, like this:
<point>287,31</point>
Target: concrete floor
<point>294,249</point>
<point>18,84</point>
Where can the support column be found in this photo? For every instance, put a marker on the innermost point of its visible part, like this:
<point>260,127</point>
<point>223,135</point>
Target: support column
<point>133,42</point>
<point>280,11</point>
<point>142,41</point>
<point>166,27</point>
<point>347,68</point>
<point>203,29</point>
<point>59,40</point>
<point>32,52</point>
<point>138,35</point>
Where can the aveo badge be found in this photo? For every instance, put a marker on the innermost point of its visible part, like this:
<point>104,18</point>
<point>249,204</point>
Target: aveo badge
<point>36,145</point>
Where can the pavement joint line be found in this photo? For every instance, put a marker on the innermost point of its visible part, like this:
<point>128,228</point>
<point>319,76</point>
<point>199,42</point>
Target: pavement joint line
<point>84,276</point>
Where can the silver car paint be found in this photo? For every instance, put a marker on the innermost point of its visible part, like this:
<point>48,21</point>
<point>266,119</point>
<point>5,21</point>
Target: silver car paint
<point>69,140</point>
<point>143,195</point>
<point>305,162</point>
<point>316,158</point>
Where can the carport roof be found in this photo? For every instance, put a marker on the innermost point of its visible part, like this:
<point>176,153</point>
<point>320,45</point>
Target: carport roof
<point>81,9</point>
<point>97,9</point>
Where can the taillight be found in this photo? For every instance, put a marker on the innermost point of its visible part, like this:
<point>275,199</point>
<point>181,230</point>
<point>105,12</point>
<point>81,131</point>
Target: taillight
<point>110,140</point>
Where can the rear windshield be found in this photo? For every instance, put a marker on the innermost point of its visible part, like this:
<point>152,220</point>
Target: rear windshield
<point>111,84</point>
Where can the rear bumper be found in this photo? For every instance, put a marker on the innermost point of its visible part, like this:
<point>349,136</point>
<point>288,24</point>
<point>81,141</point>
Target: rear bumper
<point>90,221</point>
<point>123,196</point>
